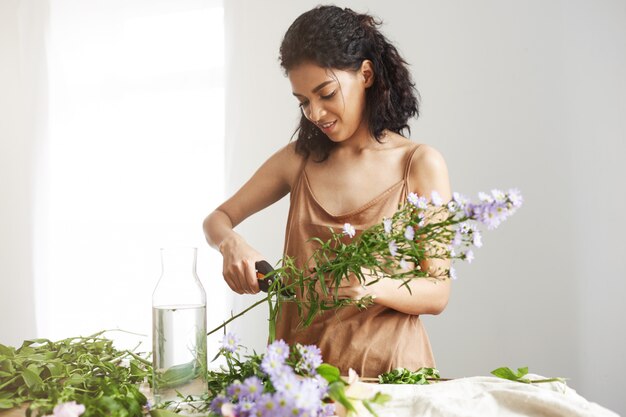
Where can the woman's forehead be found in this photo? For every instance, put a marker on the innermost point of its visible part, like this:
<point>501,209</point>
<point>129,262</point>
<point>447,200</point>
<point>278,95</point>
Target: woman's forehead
<point>306,77</point>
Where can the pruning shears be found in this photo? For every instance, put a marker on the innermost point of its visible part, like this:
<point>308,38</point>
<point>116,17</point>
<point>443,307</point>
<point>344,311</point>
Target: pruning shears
<point>263,269</point>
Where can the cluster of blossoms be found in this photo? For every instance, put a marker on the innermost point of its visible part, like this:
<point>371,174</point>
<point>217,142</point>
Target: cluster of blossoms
<point>426,228</point>
<point>287,384</point>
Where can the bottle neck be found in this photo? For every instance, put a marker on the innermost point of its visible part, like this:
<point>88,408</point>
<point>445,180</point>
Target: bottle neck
<point>179,284</point>
<point>176,261</point>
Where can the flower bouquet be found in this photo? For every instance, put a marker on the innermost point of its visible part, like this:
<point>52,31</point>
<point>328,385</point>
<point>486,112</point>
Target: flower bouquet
<point>396,248</point>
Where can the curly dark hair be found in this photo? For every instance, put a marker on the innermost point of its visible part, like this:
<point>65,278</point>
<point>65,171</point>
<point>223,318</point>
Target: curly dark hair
<point>337,38</point>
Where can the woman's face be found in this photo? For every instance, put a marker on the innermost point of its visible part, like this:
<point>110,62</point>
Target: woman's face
<point>334,100</point>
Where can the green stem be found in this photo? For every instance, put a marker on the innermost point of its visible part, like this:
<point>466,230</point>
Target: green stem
<point>539,381</point>
<point>139,358</point>
<point>238,315</point>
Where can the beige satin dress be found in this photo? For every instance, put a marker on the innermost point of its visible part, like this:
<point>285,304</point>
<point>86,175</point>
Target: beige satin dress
<point>371,341</point>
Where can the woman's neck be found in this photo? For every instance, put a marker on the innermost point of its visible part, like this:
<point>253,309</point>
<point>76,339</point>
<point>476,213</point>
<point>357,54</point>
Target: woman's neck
<point>362,140</point>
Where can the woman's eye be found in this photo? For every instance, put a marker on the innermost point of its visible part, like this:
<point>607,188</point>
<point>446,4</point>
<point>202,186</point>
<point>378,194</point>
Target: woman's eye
<point>303,104</point>
<point>327,96</point>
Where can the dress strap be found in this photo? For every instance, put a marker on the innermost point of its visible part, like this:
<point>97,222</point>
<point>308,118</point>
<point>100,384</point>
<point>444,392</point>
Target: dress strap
<point>303,163</point>
<point>409,159</point>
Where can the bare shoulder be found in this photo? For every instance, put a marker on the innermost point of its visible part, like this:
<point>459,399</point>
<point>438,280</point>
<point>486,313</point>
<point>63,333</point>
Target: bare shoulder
<point>429,171</point>
<point>427,157</point>
<point>287,163</point>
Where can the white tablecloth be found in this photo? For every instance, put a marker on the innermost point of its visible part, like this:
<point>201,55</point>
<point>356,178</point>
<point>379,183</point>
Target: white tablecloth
<point>482,397</point>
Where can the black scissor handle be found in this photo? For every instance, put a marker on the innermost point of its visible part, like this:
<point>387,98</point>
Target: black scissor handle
<point>263,268</point>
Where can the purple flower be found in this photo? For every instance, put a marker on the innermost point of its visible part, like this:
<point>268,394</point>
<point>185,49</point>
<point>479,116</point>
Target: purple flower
<point>491,213</point>
<point>230,342</point>
<point>252,388</point>
<point>460,200</point>
<point>273,364</point>
<point>285,381</point>
<point>498,196</point>
<point>469,256</point>
<point>349,230</point>
<point>477,239</point>
<point>458,238</point>
<point>485,198</point>
<point>417,201</point>
<point>286,405</point>
<point>436,199</point>
<point>393,248</point>
<point>279,349</point>
<point>470,209</point>
<point>421,216</point>
<point>245,408</point>
<point>452,273</point>
<point>387,223</point>
<point>328,410</point>
<point>308,396</point>
<point>235,390</point>
<point>216,404</point>
<point>404,265</point>
<point>311,357</point>
<point>267,405</point>
<point>515,197</point>
<point>409,233</point>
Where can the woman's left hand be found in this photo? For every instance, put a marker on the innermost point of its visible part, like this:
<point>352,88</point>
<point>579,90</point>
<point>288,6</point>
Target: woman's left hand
<point>353,289</point>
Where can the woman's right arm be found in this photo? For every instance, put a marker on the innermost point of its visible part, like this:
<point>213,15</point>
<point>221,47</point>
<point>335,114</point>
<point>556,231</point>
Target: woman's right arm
<point>272,181</point>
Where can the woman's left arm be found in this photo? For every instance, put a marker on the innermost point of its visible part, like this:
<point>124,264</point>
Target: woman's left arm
<point>428,295</point>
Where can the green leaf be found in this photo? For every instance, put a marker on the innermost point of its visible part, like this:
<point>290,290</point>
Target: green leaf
<point>505,373</point>
<point>178,374</point>
<point>6,404</point>
<point>7,366</point>
<point>9,382</point>
<point>37,341</point>
<point>329,373</point>
<point>508,373</point>
<point>56,369</point>
<point>6,351</point>
<point>31,379</point>
<point>380,398</point>
<point>337,392</point>
<point>369,407</point>
<point>75,379</point>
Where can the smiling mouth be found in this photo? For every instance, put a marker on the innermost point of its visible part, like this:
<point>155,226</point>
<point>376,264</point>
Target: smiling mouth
<point>327,125</point>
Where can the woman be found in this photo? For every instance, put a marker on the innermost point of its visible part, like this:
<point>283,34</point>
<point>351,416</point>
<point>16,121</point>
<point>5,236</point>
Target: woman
<point>349,164</point>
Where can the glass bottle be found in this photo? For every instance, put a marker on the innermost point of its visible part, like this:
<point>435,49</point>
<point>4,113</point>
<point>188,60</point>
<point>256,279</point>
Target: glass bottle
<point>179,353</point>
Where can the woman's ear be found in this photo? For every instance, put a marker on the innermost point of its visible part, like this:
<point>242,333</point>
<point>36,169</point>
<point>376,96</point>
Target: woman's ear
<point>367,73</point>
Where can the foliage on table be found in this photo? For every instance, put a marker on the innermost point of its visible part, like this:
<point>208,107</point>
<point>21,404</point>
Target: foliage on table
<point>88,370</point>
<point>422,376</point>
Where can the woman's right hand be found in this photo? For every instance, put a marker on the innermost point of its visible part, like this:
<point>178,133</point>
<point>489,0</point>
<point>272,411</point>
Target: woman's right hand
<point>238,267</point>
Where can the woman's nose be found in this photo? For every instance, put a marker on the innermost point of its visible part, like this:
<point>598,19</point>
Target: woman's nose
<point>315,112</point>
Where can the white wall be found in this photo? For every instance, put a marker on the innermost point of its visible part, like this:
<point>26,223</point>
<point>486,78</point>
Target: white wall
<point>22,92</point>
<point>515,94</point>
<point>168,100</point>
